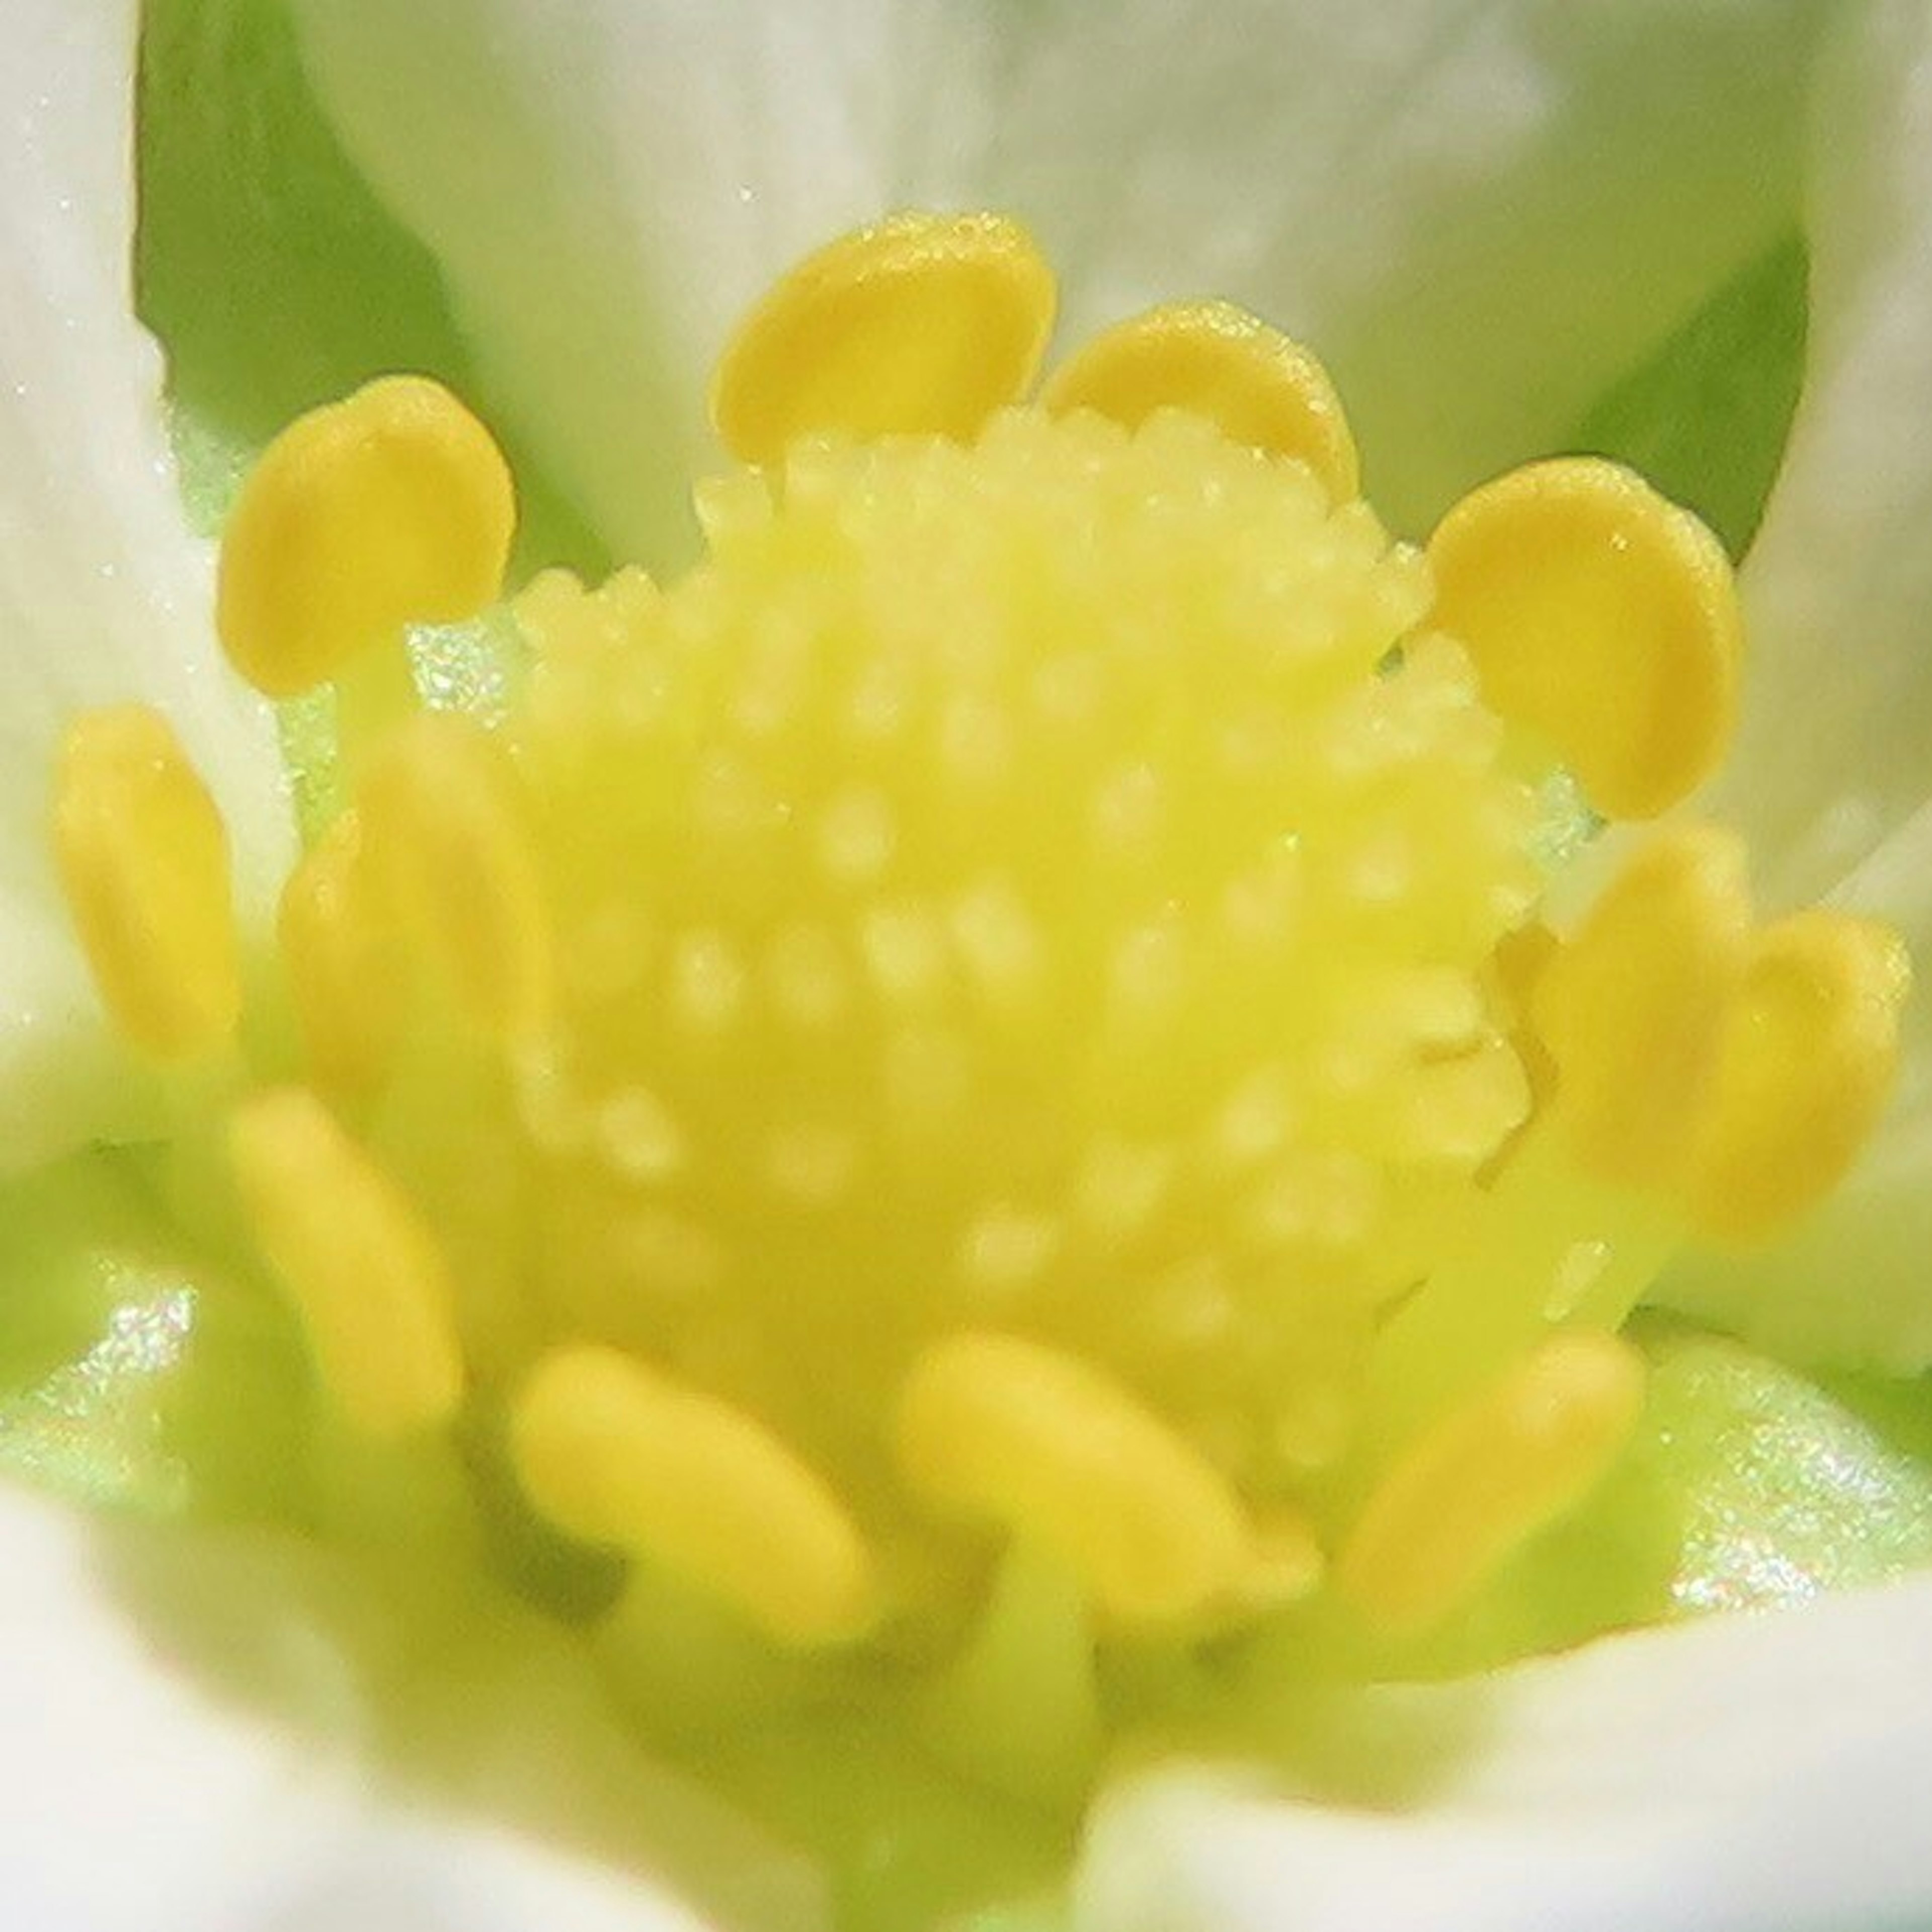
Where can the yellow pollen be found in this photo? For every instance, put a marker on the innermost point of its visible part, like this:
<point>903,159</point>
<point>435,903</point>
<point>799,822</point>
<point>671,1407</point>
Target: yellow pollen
<point>1737,1070</point>
<point>617,1453</point>
<point>366,1274</point>
<point>1003,1431</point>
<point>391,509</point>
<point>342,972</point>
<point>1488,1476</point>
<point>1602,617</point>
<point>1803,1057</point>
<point>923,325</point>
<point>1624,1007</point>
<point>447,841</point>
<point>1219,362</point>
<point>142,856</point>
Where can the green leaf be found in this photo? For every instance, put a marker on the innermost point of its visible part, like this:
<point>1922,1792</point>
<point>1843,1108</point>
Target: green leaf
<point>273,277</point>
<point>1707,418</point>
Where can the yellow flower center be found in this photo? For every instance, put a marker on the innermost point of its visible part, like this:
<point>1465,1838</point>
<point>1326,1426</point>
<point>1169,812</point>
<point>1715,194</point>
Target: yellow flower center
<point>1008,1007</point>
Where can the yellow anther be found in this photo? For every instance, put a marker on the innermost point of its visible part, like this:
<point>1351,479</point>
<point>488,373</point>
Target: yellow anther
<point>1601,617</point>
<point>1624,1009</point>
<point>1217,361</point>
<point>391,508</point>
<point>445,832</point>
<point>367,1275</point>
<point>143,858</point>
<point>1803,1057</point>
<point>615,1453</point>
<point>1003,1431</point>
<point>925,324</point>
<point>338,955</point>
<point>1489,1476</point>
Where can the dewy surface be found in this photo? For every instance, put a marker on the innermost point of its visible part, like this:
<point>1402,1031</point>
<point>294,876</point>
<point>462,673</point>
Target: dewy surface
<point>995,1045</point>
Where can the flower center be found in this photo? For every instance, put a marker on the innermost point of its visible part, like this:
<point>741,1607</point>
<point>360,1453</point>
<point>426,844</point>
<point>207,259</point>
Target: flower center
<point>993,1013</point>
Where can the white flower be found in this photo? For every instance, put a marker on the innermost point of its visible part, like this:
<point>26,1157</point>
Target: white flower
<point>1483,216</point>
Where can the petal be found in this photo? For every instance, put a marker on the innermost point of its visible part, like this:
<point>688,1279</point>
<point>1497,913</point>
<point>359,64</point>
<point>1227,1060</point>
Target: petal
<point>103,594</point>
<point>1833,746</point>
<point>1833,764</point>
<point>1449,202</point>
<point>1761,1774</point>
<point>260,1750</point>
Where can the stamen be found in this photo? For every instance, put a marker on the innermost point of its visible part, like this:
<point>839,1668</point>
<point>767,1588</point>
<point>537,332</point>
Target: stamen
<point>924,325</point>
<point>1737,1072</point>
<point>1623,1008</point>
<point>1005,1431</point>
<point>339,958</point>
<point>1489,1476</point>
<point>1698,1074</point>
<point>1219,362</point>
<point>142,856</point>
<point>1548,1243</point>
<point>1019,1707</point>
<point>391,509</point>
<point>1802,1060</point>
<point>1600,616</point>
<point>614,1453</point>
<point>366,1274</point>
<point>446,834</point>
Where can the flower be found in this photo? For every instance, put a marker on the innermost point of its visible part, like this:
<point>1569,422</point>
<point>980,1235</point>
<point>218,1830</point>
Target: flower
<point>579,438</point>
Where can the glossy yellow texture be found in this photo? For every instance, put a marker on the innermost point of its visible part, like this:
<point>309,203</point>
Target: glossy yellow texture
<point>1801,1061</point>
<point>1488,1476</point>
<point>1602,617</point>
<point>1035,1443</point>
<point>1736,1068</point>
<point>365,1273</point>
<point>1625,1008</point>
<point>617,1453</point>
<point>924,324</point>
<point>391,508</point>
<point>1220,363</point>
<point>453,859</point>
<point>340,960</point>
<point>142,857</point>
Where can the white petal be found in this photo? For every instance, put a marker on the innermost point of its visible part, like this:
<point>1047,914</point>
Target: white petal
<point>209,1733</point>
<point>103,594</point>
<point>1746,1774</point>
<point>1836,743</point>
<point>1832,771</point>
<point>1479,213</point>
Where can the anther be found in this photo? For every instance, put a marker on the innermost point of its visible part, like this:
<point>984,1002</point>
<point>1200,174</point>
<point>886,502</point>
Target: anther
<point>1488,1476</point>
<point>1016,1435</point>
<point>337,952</point>
<point>1801,1059</point>
<point>391,508</point>
<point>1625,1008</point>
<point>446,834</point>
<point>924,324</point>
<point>364,1271</point>
<point>615,1453</point>
<point>1602,617</point>
<point>142,857</point>
<point>1216,361</point>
